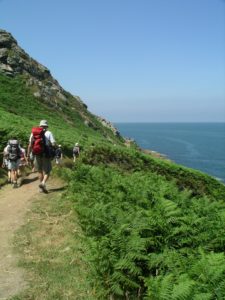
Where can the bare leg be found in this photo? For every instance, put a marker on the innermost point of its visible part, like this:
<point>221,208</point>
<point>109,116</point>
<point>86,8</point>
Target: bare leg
<point>18,173</point>
<point>45,178</point>
<point>41,176</point>
<point>14,177</point>
<point>9,176</point>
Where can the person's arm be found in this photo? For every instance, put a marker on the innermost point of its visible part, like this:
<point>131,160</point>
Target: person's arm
<point>6,151</point>
<point>51,139</point>
<point>25,157</point>
<point>3,158</point>
<point>5,155</point>
<point>29,148</point>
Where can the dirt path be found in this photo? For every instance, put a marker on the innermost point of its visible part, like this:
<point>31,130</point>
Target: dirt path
<point>14,203</point>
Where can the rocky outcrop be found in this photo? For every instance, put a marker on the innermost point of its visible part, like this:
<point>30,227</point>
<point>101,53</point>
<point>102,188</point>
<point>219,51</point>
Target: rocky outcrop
<point>109,125</point>
<point>15,61</point>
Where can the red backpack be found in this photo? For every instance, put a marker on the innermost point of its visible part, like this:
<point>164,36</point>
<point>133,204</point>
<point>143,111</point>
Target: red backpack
<point>38,146</point>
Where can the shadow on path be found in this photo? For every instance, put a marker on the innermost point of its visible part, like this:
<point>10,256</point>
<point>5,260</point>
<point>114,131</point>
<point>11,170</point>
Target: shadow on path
<point>29,180</point>
<point>62,188</point>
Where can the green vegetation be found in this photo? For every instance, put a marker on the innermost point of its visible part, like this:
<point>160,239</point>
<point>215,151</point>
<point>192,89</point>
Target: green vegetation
<point>153,229</point>
<point>52,248</point>
<point>20,111</point>
<point>132,161</point>
<point>148,239</point>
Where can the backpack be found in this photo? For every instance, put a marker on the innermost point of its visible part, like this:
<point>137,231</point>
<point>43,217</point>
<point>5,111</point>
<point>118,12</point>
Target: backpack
<point>14,150</point>
<point>38,146</point>
<point>76,150</point>
<point>58,153</point>
<point>50,152</point>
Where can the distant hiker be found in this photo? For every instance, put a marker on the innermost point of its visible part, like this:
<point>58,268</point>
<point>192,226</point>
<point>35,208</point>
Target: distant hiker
<point>31,161</point>
<point>41,144</point>
<point>5,163</point>
<point>13,153</point>
<point>58,155</point>
<point>22,164</point>
<point>76,151</point>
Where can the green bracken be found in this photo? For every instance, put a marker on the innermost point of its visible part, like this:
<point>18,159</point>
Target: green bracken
<point>152,229</point>
<point>147,238</point>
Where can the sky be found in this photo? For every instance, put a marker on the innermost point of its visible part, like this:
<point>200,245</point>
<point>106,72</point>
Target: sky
<point>129,60</point>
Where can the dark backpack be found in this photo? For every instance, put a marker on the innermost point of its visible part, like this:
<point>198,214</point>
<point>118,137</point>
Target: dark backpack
<point>76,150</point>
<point>50,152</point>
<point>58,153</point>
<point>38,146</point>
<point>14,150</point>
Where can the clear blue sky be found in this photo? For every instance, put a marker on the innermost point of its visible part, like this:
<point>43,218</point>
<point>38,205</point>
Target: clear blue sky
<point>129,60</point>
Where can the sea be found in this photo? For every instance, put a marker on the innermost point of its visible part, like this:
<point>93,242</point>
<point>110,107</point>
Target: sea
<point>199,146</point>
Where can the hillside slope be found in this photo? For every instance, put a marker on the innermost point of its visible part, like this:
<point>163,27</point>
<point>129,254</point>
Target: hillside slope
<point>29,93</point>
<point>151,226</point>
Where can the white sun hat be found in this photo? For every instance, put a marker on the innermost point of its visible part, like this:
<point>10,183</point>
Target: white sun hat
<point>44,123</point>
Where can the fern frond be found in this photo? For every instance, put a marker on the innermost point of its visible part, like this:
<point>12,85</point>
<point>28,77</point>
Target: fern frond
<point>183,290</point>
<point>203,296</point>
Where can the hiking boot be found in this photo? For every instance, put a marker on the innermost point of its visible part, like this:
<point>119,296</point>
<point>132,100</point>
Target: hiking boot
<point>43,188</point>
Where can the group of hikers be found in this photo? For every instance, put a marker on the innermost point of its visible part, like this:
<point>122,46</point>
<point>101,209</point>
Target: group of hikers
<point>42,149</point>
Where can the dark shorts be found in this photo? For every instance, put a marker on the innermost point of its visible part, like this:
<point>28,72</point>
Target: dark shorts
<point>43,164</point>
<point>13,164</point>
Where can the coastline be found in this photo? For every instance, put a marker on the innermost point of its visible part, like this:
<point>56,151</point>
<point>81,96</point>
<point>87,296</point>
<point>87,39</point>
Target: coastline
<point>198,146</point>
<point>155,154</point>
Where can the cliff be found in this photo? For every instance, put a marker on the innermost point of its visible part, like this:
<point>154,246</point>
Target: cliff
<point>14,61</point>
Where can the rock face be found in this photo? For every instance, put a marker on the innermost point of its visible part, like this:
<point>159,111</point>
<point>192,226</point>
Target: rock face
<point>109,125</point>
<point>15,61</point>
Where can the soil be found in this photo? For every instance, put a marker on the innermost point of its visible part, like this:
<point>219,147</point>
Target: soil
<point>14,203</point>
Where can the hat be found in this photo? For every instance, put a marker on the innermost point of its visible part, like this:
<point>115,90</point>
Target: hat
<point>44,123</point>
<point>76,144</point>
<point>60,146</point>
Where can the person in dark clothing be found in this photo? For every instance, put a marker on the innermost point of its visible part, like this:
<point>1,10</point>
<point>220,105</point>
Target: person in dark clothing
<point>76,151</point>
<point>58,155</point>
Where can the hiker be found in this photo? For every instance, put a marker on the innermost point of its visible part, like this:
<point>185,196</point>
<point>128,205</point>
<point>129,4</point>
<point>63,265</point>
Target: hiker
<point>41,144</point>
<point>13,154</point>
<point>58,155</point>
<point>31,161</point>
<point>76,151</point>
<point>5,163</point>
<point>22,164</point>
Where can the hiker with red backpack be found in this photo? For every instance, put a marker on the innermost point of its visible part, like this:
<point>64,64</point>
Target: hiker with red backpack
<point>13,154</point>
<point>41,144</point>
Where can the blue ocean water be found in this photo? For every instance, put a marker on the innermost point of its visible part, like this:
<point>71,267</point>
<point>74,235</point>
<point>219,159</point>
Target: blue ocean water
<point>196,145</point>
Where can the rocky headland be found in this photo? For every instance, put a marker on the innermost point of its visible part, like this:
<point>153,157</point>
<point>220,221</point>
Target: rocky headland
<point>14,61</point>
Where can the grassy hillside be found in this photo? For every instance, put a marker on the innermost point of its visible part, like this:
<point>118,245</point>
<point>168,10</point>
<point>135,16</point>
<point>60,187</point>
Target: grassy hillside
<point>20,111</point>
<point>154,229</point>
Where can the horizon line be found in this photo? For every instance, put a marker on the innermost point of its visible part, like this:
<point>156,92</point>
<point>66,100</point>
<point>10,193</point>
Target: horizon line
<point>172,122</point>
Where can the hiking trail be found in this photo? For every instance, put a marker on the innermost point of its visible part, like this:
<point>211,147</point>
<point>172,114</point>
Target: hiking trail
<point>14,204</point>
